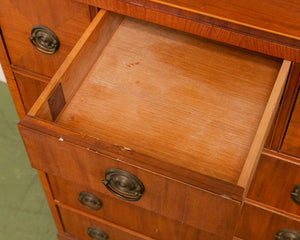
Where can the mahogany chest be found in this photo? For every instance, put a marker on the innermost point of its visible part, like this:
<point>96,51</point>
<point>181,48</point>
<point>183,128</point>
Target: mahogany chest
<point>160,119</point>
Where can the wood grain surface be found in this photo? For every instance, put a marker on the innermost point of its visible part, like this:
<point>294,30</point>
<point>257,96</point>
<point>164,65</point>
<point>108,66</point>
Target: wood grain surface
<point>261,223</point>
<point>274,181</point>
<point>256,38</point>
<point>174,97</point>
<point>67,19</point>
<point>291,143</point>
<point>267,15</point>
<point>30,88</point>
<point>76,225</point>
<point>264,127</point>
<point>79,61</point>
<point>286,108</point>
<point>10,79</point>
<point>49,195</point>
<point>123,213</point>
<point>164,196</point>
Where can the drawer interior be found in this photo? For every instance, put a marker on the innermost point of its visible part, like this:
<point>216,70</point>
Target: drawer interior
<point>187,101</point>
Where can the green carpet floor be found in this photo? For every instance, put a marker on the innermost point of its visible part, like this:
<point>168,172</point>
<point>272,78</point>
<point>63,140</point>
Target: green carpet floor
<point>24,212</point>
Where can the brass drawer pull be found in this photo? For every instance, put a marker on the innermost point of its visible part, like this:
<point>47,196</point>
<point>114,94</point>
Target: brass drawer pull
<point>90,201</point>
<point>97,233</point>
<point>123,184</point>
<point>295,195</point>
<point>44,40</point>
<point>287,234</point>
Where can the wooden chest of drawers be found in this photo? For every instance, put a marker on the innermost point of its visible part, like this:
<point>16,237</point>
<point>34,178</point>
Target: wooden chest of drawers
<point>146,132</point>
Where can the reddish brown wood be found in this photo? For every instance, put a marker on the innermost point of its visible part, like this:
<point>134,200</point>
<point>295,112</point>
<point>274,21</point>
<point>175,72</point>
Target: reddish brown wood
<point>291,143</point>
<point>124,213</point>
<point>80,60</point>
<point>270,16</point>
<point>68,19</point>
<point>50,199</point>
<point>165,196</point>
<point>169,170</point>
<point>274,181</point>
<point>194,152</point>
<point>287,104</point>
<point>93,12</point>
<point>261,224</point>
<point>175,101</point>
<point>225,31</point>
<point>76,224</point>
<point>30,89</point>
<point>10,79</point>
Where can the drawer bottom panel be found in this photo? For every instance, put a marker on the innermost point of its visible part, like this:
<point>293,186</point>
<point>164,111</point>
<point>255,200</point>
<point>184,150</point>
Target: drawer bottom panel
<point>261,224</point>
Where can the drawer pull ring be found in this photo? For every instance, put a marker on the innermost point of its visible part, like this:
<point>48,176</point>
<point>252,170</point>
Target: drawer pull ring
<point>287,234</point>
<point>44,40</point>
<point>123,184</point>
<point>97,233</point>
<point>295,195</point>
<point>90,201</point>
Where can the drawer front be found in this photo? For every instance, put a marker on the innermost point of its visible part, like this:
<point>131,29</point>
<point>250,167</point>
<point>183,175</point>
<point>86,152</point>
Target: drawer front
<point>30,89</point>
<point>85,227</point>
<point>122,213</point>
<point>274,181</point>
<point>261,224</point>
<point>67,19</point>
<point>165,196</point>
<point>291,143</point>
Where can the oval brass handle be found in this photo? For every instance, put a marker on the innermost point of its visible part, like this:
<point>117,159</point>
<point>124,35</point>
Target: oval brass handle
<point>44,40</point>
<point>89,200</point>
<point>97,233</point>
<point>123,184</point>
<point>287,234</point>
<point>295,195</point>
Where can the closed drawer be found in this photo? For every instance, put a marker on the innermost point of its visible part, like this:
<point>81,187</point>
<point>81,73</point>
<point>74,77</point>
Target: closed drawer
<point>67,19</point>
<point>261,224</point>
<point>163,196</point>
<point>276,178</point>
<point>30,87</point>
<point>291,142</point>
<point>124,214</point>
<point>86,227</point>
<point>184,115</point>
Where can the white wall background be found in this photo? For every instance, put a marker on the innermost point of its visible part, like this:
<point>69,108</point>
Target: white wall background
<point>2,78</point>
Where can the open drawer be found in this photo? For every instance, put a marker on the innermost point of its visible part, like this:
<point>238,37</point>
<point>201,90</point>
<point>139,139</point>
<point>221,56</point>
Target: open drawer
<point>173,104</point>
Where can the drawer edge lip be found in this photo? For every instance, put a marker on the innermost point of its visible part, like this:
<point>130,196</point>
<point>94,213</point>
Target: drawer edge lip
<point>223,189</point>
<point>103,221</point>
<point>60,204</point>
<point>272,209</point>
<point>268,116</point>
<point>281,156</point>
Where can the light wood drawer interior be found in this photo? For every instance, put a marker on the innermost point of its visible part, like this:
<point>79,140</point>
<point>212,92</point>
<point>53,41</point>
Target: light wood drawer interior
<point>157,93</point>
<point>121,212</point>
